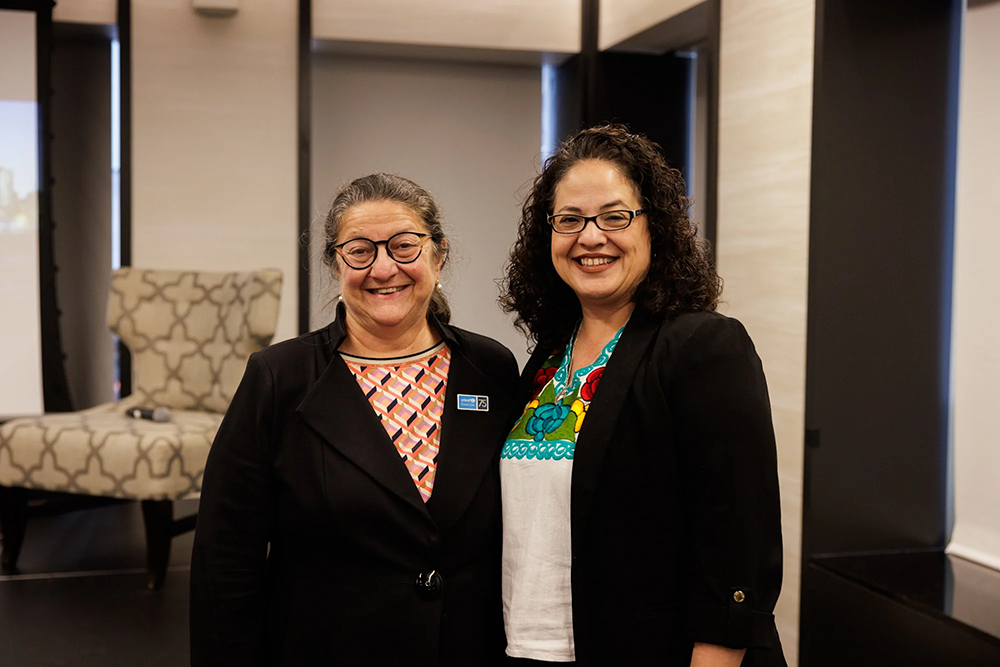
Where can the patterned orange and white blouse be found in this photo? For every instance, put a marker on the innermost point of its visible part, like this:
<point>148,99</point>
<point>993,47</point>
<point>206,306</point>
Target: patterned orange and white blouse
<point>408,394</point>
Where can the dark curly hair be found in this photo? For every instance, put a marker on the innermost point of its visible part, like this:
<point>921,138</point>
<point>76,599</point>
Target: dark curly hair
<point>681,276</point>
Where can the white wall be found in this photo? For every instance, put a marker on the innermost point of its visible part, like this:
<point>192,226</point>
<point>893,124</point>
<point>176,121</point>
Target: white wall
<point>524,25</point>
<point>214,160</point>
<point>470,134</point>
<point>976,314</point>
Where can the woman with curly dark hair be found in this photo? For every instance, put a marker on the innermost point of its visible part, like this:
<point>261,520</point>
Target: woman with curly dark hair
<point>640,493</point>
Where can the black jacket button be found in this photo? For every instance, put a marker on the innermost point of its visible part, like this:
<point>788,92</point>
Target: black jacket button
<point>430,585</point>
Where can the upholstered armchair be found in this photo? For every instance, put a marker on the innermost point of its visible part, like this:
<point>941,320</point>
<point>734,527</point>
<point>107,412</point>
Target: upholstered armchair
<point>190,334</point>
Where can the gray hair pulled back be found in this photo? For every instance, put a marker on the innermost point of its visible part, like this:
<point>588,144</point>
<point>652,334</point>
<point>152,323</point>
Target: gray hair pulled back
<point>392,188</point>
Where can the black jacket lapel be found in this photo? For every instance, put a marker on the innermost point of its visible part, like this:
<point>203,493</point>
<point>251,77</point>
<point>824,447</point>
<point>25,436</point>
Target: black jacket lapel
<point>598,429</point>
<point>336,408</point>
<point>465,456</point>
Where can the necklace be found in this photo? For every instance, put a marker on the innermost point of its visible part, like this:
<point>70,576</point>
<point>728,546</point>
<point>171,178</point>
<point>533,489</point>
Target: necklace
<point>564,381</point>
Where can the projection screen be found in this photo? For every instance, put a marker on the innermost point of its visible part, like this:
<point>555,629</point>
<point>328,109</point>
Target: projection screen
<point>20,318</point>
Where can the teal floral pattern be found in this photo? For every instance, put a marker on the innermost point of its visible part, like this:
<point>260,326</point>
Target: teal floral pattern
<point>546,419</point>
<point>551,422</point>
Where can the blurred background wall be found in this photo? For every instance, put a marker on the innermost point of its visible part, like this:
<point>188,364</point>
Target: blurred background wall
<point>214,136</point>
<point>401,116</point>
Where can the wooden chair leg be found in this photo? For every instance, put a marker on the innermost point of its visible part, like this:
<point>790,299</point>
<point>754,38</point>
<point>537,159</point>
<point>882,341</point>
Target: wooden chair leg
<point>13,524</point>
<point>158,517</point>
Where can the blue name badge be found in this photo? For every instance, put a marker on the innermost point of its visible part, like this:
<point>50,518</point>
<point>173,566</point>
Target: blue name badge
<point>473,402</point>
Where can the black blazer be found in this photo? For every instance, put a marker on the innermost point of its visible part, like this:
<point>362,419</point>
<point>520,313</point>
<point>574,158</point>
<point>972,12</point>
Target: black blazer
<point>676,533</point>
<point>312,535</point>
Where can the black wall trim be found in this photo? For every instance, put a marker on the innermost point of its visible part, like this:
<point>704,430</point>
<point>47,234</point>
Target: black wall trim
<point>638,83</point>
<point>651,94</point>
<point>879,292</point>
<point>125,182</point>
<point>55,388</point>
<point>305,157</point>
<point>879,281</point>
<point>589,35</point>
<point>711,51</point>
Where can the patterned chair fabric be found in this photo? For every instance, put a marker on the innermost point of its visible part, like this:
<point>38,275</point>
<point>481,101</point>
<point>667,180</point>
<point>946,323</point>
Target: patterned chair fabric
<point>190,334</point>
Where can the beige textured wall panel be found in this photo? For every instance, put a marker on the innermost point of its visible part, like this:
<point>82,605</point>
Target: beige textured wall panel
<point>621,19</point>
<point>765,120</point>
<point>526,25</point>
<point>214,162</point>
<point>99,12</point>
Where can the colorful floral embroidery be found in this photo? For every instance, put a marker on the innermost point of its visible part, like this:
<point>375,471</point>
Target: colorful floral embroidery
<point>553,451</point>
<point>590,384</point>
<point>548,428</point>
<point>546,419</point>
<point>543,376</point>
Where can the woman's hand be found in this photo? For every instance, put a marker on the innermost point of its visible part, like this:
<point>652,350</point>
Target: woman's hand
<point>711,655</point>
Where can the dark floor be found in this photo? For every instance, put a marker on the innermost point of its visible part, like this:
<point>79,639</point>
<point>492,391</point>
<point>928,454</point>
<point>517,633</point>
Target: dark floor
<point>81,597</point>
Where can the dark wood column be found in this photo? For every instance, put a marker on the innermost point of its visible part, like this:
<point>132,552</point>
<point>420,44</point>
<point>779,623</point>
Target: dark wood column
<point>876,584</point>
<point>646,84</point>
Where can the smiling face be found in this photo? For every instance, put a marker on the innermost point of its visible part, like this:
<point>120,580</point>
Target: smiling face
<point>387,299</point>
<point>602,268</point>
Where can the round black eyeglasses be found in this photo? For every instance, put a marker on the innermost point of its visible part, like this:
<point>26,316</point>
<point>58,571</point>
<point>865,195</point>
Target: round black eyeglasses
<point>608,221</point>
<point>360,253</point>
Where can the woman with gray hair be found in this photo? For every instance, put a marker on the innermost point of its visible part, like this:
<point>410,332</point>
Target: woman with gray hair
<point>350,513</point>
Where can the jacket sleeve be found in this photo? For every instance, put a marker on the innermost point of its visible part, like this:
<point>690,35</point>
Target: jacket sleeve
<point>728,469</point>
<point>235,515</point>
